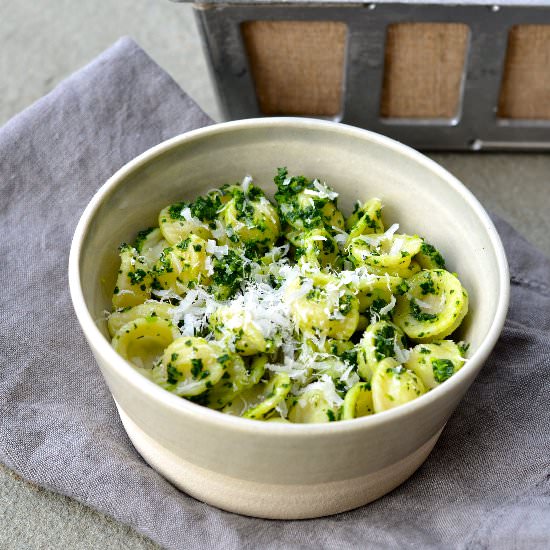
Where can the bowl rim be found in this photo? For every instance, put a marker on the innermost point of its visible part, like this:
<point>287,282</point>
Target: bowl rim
<point>215,418</point>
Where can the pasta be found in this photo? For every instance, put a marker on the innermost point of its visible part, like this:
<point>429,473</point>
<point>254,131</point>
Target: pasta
<point>286,311</point>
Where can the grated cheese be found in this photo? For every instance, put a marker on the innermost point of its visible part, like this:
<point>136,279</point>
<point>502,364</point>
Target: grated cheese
<point>216,250</point>
<point>375,240</point>
<point>321,191</point>
<point>247,180</point>
<point>326,386</point>
<point>388,307</point>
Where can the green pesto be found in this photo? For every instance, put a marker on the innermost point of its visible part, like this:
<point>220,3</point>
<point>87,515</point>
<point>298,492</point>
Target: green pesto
<point>184,245</point>
<point>254,249</point>
<point>206,208</point>
<point>376,306</point>
<point>137,276</point>
<point>402,287</point>
<point>140,238</point>
<point>384,343</point>
<point>243,207</point>
<point>290,211</point>
<point>174,210</point>
<point>173,375</point>
<point>430,251</point>
<point>196,367</point>
<point>224,359</point>
<point>443,369</point>
<point>420,315</point>
<point>229,273</point>
<point>463,347</point>
<point>345,304</point>
<point>428,286</point>
<point>349,356</point>
<point>164,264</point>
<point>316,294</point>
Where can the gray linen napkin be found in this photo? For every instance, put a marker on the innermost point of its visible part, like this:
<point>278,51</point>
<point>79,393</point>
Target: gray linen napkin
<point>485,485</point>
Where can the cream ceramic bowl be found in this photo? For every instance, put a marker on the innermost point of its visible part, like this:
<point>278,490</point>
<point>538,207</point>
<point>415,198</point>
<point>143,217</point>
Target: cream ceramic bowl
<point>275,470</point>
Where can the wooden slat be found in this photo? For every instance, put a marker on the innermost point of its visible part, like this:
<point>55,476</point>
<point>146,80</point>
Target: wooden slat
<point>297,66</point>
<point>525,90</point>
<point>424,65</point>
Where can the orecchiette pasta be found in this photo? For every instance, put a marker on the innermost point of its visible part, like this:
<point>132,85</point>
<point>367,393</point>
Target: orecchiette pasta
<point>433,306</point>
<point>286,311</point>
<point>436,362</point>
<point>182,265</point>
<point>393,385</point>
<point>358,401</point>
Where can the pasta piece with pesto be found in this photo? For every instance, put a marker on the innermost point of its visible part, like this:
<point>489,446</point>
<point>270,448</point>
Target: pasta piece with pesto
<point>393,385</point>
<point>262,399</point>
<point>380,341</point>
<point>133,284</point>
<point>142,341</point>
<point>321,307</point>
<point>235,379</point>
<point>429,257</point>
<point>358,402</point>
<point>433,306</point>
<point>317,248</point>
<point>306,204</point>
<point>318,402</point>
<point>386,253</point>
<point>365,220</point>
<point>193,365</point>
<point>182,266</point>
<point>436,362</point>
<point>250,219</point>
<point>152,308</point>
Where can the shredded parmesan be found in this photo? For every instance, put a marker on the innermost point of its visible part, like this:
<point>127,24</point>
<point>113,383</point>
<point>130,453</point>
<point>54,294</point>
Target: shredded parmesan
<point>388,307</point>
<point>396,246</point>
<point>423,304</point>
<point>325,385</point>
<point>216,250</point>
<point>375,240</point>
<point>246,184</point>
<point>321,191</point>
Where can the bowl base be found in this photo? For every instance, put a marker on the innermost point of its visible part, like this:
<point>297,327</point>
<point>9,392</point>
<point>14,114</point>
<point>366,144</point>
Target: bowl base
<point>273,501</point>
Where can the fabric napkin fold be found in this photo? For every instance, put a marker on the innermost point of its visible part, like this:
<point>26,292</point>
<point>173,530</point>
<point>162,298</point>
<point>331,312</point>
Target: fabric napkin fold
<point>485,485</point>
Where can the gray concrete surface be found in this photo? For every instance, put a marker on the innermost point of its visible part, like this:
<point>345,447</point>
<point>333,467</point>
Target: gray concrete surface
<point>42,43</point>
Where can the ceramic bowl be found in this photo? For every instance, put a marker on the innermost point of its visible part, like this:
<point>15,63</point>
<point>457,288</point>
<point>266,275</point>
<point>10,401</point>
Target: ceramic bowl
<point>275,470</point>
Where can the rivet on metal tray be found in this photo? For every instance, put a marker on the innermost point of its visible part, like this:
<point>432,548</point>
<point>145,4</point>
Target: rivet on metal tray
<point>476,145</point>
<point>495,8</point>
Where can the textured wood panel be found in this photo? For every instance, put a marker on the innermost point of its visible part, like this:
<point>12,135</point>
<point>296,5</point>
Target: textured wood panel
<point>525,90</point>
<point>297,66</point>
<point>424,64</point>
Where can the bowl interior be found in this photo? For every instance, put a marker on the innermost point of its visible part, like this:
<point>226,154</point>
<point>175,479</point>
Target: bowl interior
<point>419,195</point>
